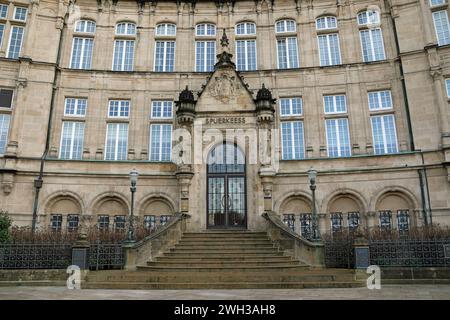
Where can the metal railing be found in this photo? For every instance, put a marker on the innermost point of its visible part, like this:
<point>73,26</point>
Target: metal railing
<point>35,256</point>
<point>106,256</point>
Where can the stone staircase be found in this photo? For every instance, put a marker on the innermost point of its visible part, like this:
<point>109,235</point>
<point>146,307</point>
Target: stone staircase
<point>222,260</point>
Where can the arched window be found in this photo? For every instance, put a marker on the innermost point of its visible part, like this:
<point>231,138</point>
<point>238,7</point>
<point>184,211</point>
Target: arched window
<point>287,50</point>
<point>123,59</point>
<point>205,50</point>
<point>285,26</point>
<point>85,26</point>
<point>245,47</point>
<point>126,28</point>
<point>205,29</point>
<point>324,23</point>
<point>245,28</point>
<point>165,49</point>
<point>83,45</point>
<point>166,29</point>
<point>368,17</point>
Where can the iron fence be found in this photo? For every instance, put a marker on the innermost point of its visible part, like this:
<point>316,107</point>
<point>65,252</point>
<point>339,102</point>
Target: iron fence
<point>409,252</point>
<point>35,256</point>
<point>106,256</point>
<point>339,252</point>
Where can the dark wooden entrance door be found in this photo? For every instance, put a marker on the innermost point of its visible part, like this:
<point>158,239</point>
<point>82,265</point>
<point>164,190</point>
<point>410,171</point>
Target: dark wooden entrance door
<point>226,188</point>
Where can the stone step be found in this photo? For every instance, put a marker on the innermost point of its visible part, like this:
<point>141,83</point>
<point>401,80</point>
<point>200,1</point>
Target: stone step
<point>221,285</point>
<point>236,264</point>
<point>214,255</point>
<point>225,235</point>
<point>208,259</point>
<point>235,268</point>
<point>190,250</point>
<point>219,247</point>
<point>225,242</point>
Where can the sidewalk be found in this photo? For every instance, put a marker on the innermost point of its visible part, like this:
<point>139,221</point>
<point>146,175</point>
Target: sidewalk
<point>387,292</point>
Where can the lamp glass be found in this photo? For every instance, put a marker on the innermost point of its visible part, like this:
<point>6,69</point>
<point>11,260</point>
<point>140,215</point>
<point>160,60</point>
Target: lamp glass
<point>134,176</point>
<point>312,174</point>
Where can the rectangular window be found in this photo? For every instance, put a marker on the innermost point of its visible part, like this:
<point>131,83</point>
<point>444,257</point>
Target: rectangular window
<point>447,85</point>
<point>103,223</point>
<point>82,53</point>
<point>4,128</point>
<point>20,14</point>
<point>3,11</point>
<point>56,222</point>
<point>338,138</point>
<point>289,220</point>
<point>75,107</point>
<point>72,138</point>
<point>380,100</point>
<point>329,50</point>
<point>119,109</point>
<point>72,222</point>
<point>6,96</point>
<point>287,53</point>
<point>291,106</point>
<point>384,134</point>
<point>2,31</point>
<point>336,221</point>
<point>123,55</point>
<point>441,27</point>
<point>205,56</point>
<point>162,110</point>
<point>164,56</point>
<point>403,221</point>
<point>160,142</point>
<point>305,225</point>
<point>246,55</point>
<point>353,220</point>
<point>116,141</point>
<point>149,222</point>
<point>15,42</point>
<point>372,45</point>
<point>164,219</point>
<point>292,140</point>
<point>335,104</point>
<point>119,223</point>
<point>385,220</point>
<point>434,3</point>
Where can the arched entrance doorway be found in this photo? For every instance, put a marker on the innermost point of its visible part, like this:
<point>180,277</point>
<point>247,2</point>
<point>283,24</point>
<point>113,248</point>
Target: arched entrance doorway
<point>226,188</point>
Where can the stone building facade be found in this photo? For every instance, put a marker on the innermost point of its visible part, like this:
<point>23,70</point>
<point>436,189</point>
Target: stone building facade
<point>358,90</point>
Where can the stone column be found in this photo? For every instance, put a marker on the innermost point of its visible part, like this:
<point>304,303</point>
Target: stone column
<point>267,175</point>
<point>184,175</point>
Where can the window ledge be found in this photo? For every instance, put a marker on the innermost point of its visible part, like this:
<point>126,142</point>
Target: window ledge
<point>439,7</point>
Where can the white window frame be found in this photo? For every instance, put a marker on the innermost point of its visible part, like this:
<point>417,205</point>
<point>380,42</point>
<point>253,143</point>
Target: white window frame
<point>7,10</point>
<point>293,146</point>
<point>205,55</point>
<point>206,24</point>
<point>246,27</point>
<point>72,140</point>
<point>15,12</point>
<point>380,104</point>
<point>124,53</point>
<point>164,66</point>
<point>86,22</point>
<point>327,27</point>
<point>9,41</point>
<point>288,60</point>
<point>77,101</point>
<point>119,111</point>
<point>128,26</point>
<point>383,129</point>
<point>447,87</point>
<point>285,24</point>
<point>162,108</point>
<point>291,113</point>
<point>166,29</point>
<point>2,34</point>
<point>372,47</point>
<point>80,66</point>
<point>335,111</point>
<point>150,154</point>
<point>7,130</point>
<point>116,144</point>
<point>367,18</point>
<point>338,142</point>
<point>329,53</point>
<point>445,12</point>
<point>440,3</point>
<point>246,54</point>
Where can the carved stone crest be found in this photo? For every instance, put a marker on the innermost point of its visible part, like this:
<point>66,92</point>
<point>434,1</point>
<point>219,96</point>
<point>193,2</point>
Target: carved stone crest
<point>224,88</point>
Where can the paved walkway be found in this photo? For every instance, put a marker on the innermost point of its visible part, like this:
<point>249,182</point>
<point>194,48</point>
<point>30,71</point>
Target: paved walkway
<point>387,292</point>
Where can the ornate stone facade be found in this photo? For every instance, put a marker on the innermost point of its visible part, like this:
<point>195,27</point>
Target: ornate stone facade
<point>414,178</point>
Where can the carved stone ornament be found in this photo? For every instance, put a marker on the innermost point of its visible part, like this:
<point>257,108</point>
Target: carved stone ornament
<point>224,88</point>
